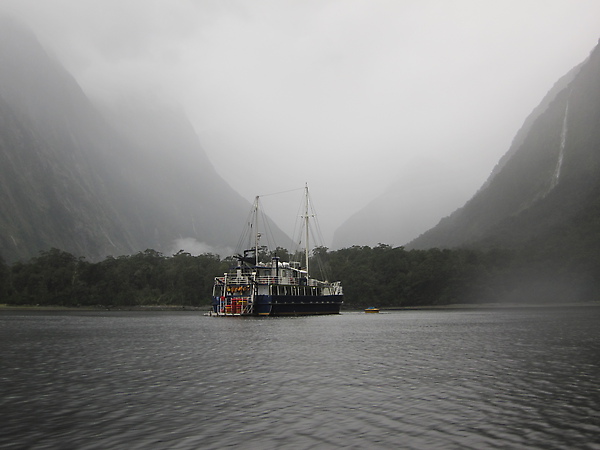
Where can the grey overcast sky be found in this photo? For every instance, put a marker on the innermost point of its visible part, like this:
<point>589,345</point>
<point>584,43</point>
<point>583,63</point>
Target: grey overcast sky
<point>342,94</point>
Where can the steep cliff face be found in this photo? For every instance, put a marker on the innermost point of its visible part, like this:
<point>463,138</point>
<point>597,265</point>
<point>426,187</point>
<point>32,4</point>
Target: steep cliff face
<point>53,191</point>
<point>403,213</point>
<point>548,183</point>
<point>99,181</point>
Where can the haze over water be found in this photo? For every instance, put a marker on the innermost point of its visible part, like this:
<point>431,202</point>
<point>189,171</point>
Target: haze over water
<point>519,378</point>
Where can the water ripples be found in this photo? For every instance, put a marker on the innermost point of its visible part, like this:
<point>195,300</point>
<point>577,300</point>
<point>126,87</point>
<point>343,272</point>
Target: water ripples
<point>429,379</point>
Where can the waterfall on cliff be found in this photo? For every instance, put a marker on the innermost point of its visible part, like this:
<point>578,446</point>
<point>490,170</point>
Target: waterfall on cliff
<point>561,150</point>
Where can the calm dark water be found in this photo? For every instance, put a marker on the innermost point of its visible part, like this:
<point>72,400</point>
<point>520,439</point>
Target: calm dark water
<point>526,378</point>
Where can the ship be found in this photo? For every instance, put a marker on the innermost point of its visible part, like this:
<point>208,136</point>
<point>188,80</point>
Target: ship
<point>255,287</point>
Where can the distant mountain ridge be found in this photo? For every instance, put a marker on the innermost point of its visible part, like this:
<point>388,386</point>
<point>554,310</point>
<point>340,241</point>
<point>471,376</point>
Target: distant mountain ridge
<point>546,189</point>
<point>404,210</point>
<point>93,182</point>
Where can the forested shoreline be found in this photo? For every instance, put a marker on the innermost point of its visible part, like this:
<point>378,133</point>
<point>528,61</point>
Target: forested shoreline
<point>383,276</point>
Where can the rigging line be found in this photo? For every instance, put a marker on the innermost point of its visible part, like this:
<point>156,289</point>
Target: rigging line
<point>298,227</point>
<point>269,235</point>
<point>246,232</point>
<point>282,192</point>
<point>319,240</point>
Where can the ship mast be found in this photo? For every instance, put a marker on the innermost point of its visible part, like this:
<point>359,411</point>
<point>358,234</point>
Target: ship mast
<point>256,232</point>
<point>306,217</point>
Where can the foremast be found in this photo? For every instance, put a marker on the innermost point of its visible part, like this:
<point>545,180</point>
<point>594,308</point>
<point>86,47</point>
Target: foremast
<point>256,232</point>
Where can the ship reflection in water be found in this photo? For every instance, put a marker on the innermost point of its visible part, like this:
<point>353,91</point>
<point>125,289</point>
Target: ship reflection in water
<point>421,379</point>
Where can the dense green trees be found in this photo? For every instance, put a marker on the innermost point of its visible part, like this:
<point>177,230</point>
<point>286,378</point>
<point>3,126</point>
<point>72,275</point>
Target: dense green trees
<point>382,276</point>
<point>4,278</point>
<point>147,278</point>
<point>390,277</point>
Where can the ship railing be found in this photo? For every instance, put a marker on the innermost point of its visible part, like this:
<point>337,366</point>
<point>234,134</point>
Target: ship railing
<point>234,280</point>
<point>235,306</point>
<point>276,280</point>
<point>238,280</point>
<point>330,288</point>
<point>333,289</point>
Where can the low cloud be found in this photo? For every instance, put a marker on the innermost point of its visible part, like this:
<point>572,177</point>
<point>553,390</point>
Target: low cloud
<point>359,87</point>
<point>195,247</point>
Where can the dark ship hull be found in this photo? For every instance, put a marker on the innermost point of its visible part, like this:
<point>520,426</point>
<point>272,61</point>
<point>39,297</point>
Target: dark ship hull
<point>279,305</point>
<point>302,305</point>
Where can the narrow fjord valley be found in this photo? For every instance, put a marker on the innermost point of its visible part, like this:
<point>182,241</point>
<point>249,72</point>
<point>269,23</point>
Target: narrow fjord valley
<point>85,179</point>
<point>457,309</point>
<point>97,179</point>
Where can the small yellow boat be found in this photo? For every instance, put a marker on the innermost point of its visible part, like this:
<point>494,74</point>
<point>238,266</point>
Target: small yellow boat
<point>372,309</point>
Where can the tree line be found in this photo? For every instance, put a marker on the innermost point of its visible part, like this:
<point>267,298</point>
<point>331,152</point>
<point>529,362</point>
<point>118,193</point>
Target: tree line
<point>381,276</point>
<point>148,278</point>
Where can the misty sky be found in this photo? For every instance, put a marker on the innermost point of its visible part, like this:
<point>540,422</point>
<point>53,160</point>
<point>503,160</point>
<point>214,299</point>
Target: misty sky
<point>342,94</point>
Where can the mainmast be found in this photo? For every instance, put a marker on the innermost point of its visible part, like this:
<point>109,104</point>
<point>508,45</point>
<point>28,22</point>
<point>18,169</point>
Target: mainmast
<point>306,217</point>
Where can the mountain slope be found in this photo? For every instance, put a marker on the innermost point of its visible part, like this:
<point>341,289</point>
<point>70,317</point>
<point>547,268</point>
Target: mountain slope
<point>548,183</point>
<point>402,212</point>
<point>412,205</point>
<point>99,183</point>
<point>48,176</point>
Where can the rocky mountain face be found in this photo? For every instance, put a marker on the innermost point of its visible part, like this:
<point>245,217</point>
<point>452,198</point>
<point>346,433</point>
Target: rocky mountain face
<point>545,192</point>
<point>404,212</point>
<point>98,181</point>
